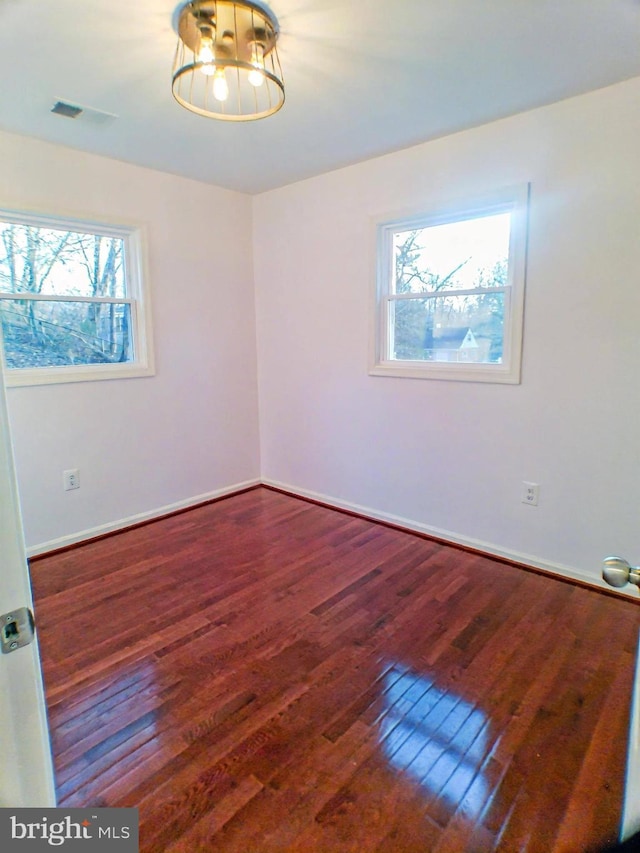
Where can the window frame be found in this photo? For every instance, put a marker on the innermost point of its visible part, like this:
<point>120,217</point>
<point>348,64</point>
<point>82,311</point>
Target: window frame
<point>137,297</point>
<point>514,200</point>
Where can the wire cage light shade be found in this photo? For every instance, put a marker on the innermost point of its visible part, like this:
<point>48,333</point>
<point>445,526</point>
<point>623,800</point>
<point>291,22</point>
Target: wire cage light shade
<point>226,63</point>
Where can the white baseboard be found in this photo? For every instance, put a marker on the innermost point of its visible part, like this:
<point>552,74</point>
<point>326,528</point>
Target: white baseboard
<point>454,538</point>
<point>122,523</point>
<point>631,810</point>
<point>489,548</point>
<point>366,511</point>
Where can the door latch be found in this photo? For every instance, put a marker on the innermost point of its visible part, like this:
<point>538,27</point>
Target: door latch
<point>16,629</point>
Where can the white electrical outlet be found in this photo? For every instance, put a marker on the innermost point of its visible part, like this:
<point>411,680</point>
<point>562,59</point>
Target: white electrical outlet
<point>71,479</point>
<point>530,493</point>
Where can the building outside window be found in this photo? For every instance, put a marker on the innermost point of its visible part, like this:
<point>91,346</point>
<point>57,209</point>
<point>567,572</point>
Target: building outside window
<point>450,291</point>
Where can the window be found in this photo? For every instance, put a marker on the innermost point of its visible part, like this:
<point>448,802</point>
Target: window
<point>71,301</point>
<point>450,292</point>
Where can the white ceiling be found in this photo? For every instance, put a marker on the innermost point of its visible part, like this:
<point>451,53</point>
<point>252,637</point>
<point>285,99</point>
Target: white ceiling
<point>362,78</point>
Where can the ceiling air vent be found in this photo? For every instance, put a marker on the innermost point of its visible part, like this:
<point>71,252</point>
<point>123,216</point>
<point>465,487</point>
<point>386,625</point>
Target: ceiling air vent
<point>66,110</point>
<point>86,115</point>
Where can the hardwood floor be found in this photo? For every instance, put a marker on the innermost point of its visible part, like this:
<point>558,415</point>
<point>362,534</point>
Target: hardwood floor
<point>262,674</point>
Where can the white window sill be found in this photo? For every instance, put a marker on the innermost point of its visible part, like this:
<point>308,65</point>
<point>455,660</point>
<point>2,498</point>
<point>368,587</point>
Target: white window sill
<point>58,375</point>
<point>451,372</point>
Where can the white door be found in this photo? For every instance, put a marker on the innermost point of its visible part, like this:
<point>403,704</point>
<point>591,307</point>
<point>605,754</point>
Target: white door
<point>26,771</point>
<point>631,814</point>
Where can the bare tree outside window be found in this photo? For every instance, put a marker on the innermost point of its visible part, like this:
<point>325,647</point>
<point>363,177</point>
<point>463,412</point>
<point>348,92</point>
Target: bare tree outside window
<point>449,299</point>
<point>447,327</point>
<point>62,297</point>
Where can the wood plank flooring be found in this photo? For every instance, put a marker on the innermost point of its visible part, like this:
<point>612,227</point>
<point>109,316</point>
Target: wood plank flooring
<point>263,674</point>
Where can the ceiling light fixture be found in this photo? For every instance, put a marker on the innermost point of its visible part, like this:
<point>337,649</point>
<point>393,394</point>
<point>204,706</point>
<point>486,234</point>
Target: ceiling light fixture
<point>227,63</point>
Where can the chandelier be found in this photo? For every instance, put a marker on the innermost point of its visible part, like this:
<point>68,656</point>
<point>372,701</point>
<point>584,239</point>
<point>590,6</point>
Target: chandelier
<point>226,63</point>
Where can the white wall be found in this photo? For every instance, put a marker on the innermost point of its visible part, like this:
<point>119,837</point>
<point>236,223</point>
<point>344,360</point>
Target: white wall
<point>451,456</point>
<point>190,430</point>
<point>442,456</point>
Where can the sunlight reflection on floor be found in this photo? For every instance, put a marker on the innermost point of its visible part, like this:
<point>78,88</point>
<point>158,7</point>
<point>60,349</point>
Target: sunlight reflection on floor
<point>436,737</point>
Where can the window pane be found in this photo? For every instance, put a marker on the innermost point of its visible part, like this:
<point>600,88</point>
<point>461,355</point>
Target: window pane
<point>60,262</point>
<point>465,255</point>
<point>450,329</point>
<point>54,334</point>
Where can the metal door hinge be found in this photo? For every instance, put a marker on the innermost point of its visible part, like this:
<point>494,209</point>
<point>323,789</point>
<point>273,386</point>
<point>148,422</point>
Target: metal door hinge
<point>16,629</point>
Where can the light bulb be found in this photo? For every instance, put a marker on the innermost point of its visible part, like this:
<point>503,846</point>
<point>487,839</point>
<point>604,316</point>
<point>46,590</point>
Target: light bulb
<point>256,77</point>
<point>220,87</point>
<point>206,51</point>
<point>206,55</point>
